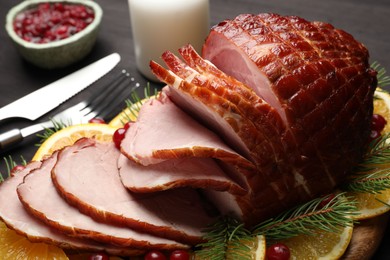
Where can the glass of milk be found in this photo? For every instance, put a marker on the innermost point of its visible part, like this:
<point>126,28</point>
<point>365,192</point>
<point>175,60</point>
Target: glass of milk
<point>161,25</point>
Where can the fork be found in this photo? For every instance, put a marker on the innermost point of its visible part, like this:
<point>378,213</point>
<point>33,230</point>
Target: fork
<point>101,104</point>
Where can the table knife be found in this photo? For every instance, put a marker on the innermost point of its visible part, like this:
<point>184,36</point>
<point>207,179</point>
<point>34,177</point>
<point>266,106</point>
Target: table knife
<point>43,100</point>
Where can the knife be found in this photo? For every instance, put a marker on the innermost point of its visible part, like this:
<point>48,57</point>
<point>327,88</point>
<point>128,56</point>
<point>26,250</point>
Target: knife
<point>43,100</point>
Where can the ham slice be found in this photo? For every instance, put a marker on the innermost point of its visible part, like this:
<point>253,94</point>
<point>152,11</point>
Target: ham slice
<point>17,218</point>
<point>204,173</point>
<point>86,175</point>
<point>187,138</point>
<point>59,215</point>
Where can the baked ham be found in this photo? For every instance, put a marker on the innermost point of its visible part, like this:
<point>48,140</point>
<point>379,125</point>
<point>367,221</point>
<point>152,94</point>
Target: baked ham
<point>59,215</point>
<point>86,175</point>
<point>311,88</point>
<point>276,111</point>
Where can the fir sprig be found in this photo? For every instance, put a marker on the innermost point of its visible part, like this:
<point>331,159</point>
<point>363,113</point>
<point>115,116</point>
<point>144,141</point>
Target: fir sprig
<point>377,154</point>
<point>330,214</point>
<point>311,216</point>
<point>226,234</point>
<point>383,79</point>
<point>372,174</point>
<point>57,126</point>
<point>10,164</point>
<point>135,102</point>
<point>374,182</point>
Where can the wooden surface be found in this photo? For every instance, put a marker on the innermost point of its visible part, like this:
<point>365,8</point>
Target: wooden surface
<point>367,21</point>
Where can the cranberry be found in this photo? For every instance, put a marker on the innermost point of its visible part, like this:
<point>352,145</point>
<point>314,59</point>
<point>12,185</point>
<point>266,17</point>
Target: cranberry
<point>378,122</point>
<point>374,135</point>
<point>99,256</point>
<point>127,125</point>
<point>118,136</point>
<point>278,251</point>
<point>51,22</point>
<point>179,255</point>
<point>155,255</point>
<point>96,120</point>
<point>17,168</point>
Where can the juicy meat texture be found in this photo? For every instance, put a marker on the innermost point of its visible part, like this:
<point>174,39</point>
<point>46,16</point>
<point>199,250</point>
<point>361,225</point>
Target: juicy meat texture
<point>41,199</point>
<point>204,173</point>
<point>13,213</point>
<point>187,137</point>
<point>305,123</point>
<point>86,174</point>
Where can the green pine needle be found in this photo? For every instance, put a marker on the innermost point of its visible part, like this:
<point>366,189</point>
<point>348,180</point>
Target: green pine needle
<point>309,217</point>
<point>135,102</point>
<point>57,126</point>
<point>10,164</point>
<point>372,175</point>
<point>226,235</point>
<point>383,79</point>
<point>378,153</point>
<point>375,182</point>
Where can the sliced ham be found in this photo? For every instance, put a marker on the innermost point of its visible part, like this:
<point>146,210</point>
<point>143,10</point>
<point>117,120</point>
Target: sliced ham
<point>41,199</point>
<point>187,138</point>
<point>86,175</point>
<point>17,218</point>
<point>204,173</point>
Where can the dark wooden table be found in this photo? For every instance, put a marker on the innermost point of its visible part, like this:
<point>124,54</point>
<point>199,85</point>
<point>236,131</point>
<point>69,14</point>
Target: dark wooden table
<point>368,21</point>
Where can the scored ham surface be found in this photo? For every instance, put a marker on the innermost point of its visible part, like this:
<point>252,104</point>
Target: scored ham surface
<point>315,89</point>
<point>86,174</point>
<point>41,199</point>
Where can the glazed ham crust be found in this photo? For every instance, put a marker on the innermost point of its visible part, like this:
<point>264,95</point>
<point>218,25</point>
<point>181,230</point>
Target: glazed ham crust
<point>313,79</point>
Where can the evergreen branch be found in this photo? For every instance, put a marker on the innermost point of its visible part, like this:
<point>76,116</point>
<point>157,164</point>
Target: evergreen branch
<point>10,164</point>
<point>372,175</point>
<point>225,235</point>
<point>57,126</point>
<point>135,102</point>
<point>378,153</point>
<point>383,79</point>
<point>308,217</point>
<point>374,182</point>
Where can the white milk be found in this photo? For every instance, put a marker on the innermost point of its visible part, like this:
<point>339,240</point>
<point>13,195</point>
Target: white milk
<point>160,25</point>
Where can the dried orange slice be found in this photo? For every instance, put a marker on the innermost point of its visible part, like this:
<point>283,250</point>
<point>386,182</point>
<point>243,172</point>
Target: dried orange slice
<point>71,134</point>
<point>14,247</point>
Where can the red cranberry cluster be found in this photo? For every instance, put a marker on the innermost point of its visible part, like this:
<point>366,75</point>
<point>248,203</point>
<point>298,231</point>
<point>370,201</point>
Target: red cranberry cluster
<point>52,22</point>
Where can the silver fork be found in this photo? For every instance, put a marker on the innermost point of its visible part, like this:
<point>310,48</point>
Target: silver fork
<point>101,104</point>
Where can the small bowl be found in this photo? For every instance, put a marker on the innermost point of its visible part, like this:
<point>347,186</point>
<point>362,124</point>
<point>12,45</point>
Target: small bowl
<point>61,53</point>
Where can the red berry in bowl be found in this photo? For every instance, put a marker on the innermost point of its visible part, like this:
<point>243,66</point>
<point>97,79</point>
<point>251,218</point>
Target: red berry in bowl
<point>50,22</point>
